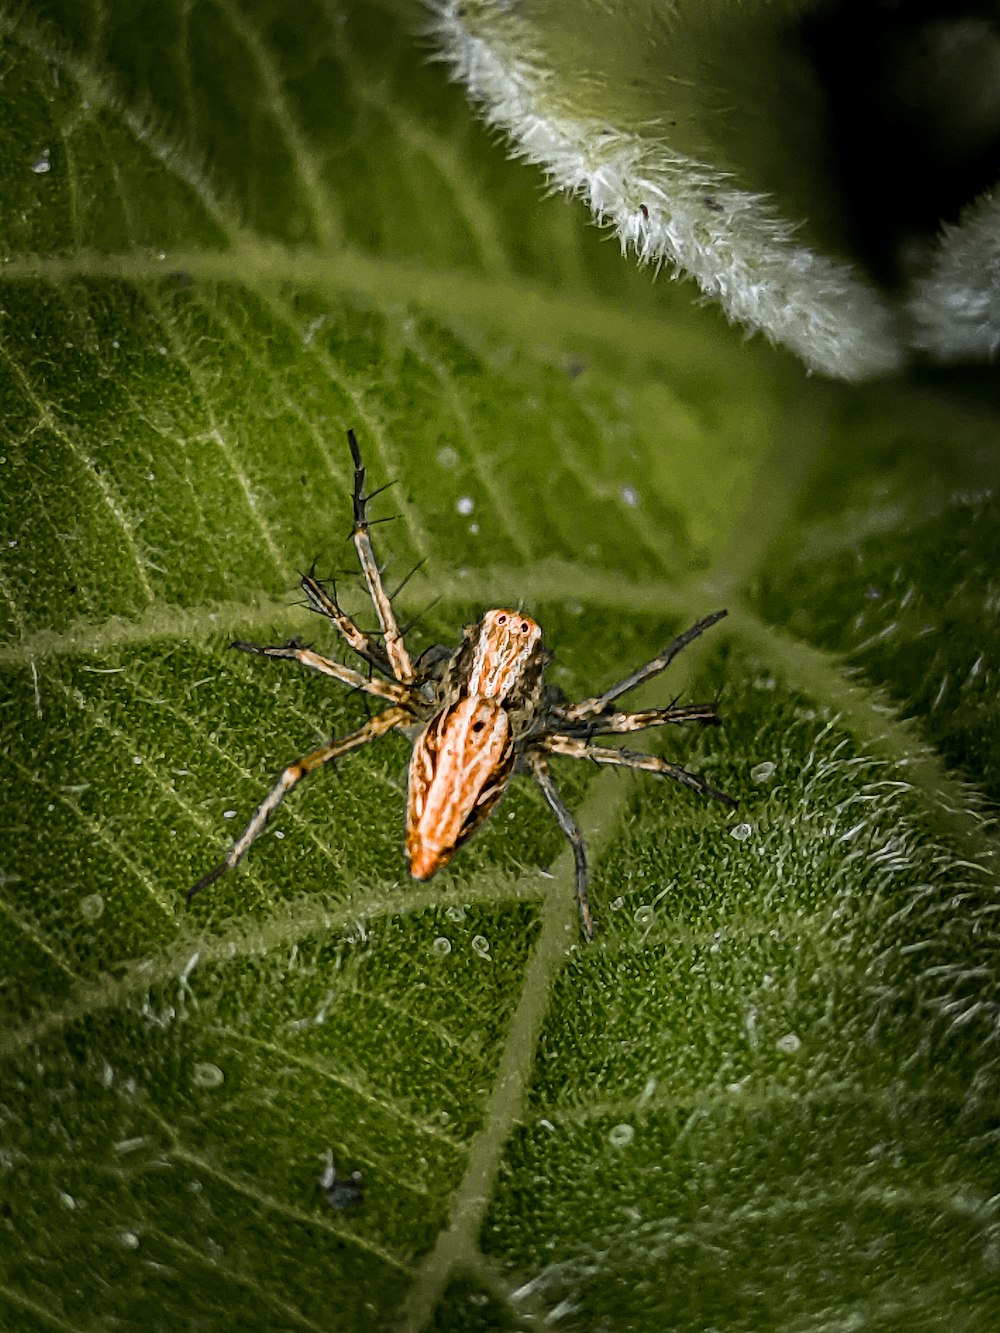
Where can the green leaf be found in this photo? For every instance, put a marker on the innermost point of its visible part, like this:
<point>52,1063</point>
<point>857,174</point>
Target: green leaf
<point>826,172</point>
<point>766,1095</point>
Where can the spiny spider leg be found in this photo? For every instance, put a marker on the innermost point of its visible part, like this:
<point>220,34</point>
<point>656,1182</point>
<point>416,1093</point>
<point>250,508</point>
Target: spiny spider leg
<point>540,772</point>
<point>597,704</point>
<point>400,586</point>
<point>293,774</point>
<point>384,689</point>
<point>572,748</point>
<point>395,647</point>
<point>608,724</point>
<point>326,604</point>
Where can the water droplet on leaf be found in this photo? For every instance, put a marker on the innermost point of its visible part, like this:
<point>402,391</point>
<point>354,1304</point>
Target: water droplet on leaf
<point>92,907</point>
<point>206,1075</point>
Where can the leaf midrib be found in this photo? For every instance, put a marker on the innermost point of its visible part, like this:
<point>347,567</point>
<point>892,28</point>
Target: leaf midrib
<point>542,581</point>
<point>861,708</point>
<point>524,312</point>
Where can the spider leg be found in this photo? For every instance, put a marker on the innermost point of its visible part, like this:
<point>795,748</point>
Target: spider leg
<point>384,689</point>
<point>540,772</point>
<point>619,723</point>
<point>648,763</point>
<point>395,647</point>
<point>599,702</point>
<point>291,777</point>
<point>326,604</point>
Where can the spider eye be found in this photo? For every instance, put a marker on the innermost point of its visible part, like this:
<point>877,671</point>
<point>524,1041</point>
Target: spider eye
<point>501,620</point>
<point>478,726</point>
<point>524,627</point>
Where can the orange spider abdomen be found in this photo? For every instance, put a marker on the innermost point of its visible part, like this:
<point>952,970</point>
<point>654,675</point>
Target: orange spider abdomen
<point>459,770</point>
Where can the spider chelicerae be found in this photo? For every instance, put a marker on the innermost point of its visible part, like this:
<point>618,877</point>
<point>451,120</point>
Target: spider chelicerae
<point>476,715</point>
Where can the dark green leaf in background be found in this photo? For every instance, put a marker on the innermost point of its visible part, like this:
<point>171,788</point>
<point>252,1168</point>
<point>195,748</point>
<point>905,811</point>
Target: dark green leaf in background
<point>766,1096</point>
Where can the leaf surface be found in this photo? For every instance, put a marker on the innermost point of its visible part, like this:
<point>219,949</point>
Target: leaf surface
<point>766,1096</point>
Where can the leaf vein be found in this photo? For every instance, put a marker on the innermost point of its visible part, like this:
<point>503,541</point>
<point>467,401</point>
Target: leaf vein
<point>97,88</point>
<point>321,201</point>
<point>109,498</point>
<point>103,836</point>
<point>333,1076</point>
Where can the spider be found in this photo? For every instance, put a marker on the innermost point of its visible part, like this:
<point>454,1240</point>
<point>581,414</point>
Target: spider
<point>476,715</point>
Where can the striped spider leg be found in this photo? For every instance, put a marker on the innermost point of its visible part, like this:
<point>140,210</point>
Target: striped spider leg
<point>568,729</point>
<point>475,715</point>
<point>392,661</point>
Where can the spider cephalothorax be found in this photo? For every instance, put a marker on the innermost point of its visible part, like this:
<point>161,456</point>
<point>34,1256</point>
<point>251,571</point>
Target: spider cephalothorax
<point>475,715</point>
